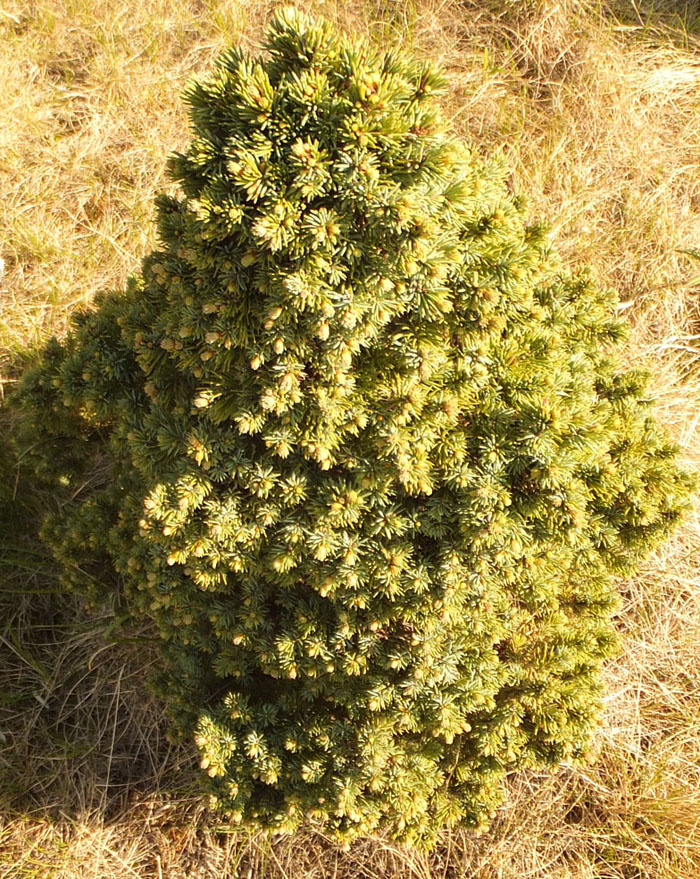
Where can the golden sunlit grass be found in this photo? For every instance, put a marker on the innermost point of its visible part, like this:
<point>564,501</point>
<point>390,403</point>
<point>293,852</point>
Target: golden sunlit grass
<point>596,105</point>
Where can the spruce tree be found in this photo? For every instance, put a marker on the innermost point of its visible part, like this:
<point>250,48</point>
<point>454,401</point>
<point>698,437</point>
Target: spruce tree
<point>360,447</point>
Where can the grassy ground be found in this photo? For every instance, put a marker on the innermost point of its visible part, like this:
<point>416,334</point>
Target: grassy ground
<point>596,104</point>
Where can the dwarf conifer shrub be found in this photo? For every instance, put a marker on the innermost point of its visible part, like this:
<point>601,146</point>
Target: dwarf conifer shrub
<point>359,447</point>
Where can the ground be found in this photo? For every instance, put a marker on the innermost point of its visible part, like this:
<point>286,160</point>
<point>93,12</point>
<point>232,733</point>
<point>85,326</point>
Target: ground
<point>595,104</point>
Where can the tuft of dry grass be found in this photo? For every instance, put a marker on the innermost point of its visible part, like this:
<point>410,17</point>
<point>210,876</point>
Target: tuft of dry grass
<point>595,103</point>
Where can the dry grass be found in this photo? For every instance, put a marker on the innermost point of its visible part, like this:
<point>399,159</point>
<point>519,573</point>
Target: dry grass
<point>596,105</point>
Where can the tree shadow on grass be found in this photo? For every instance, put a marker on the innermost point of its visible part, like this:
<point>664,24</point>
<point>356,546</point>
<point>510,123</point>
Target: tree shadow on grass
<point>678,19</point>
<point>80,733</point>
<point>670,19</point>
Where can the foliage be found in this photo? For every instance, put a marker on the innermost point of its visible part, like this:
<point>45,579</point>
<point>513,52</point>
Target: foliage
<point>361,449</point>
